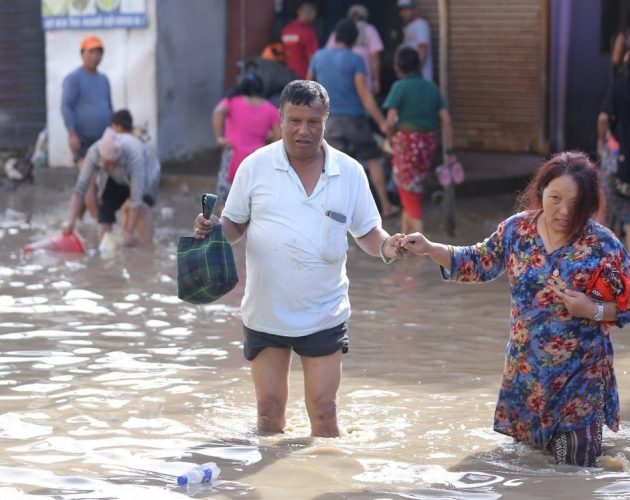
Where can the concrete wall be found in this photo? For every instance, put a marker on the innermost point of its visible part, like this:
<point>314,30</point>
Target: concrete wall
<point>22,75</point>
<point>191,48</point>
<point>128,62</point>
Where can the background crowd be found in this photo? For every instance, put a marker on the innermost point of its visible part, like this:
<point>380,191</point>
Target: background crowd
<point>349,67</point>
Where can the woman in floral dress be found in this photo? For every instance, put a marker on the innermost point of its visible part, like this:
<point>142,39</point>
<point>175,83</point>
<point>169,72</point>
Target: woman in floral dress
<point>569,284</point>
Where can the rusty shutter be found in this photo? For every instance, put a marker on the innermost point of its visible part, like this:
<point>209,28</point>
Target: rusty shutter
<point>22,73</point>
<point>498,74</point>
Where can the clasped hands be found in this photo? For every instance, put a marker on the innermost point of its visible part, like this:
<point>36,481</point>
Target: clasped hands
<point>398,245</point>
<point>394,247</point>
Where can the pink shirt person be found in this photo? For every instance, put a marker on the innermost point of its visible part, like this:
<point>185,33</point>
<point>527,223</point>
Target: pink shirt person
<point>247,126</point>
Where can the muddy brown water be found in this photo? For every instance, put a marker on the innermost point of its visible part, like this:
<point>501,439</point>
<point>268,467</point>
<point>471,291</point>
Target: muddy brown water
<point>111,386</point>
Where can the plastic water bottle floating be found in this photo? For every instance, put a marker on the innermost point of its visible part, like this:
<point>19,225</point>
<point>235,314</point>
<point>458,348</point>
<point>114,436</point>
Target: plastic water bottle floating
<point>203,473</point>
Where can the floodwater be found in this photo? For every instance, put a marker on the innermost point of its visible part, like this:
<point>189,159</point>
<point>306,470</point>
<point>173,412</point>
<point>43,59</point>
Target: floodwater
<point>111,386</point>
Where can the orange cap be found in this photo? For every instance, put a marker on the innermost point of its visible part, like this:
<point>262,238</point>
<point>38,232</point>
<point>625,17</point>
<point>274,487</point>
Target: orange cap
<point>91,42</point>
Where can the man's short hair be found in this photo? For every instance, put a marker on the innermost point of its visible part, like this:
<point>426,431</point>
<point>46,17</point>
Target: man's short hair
<point>407,60</point>
<point>303,93</point>
<point>346,32</point>
<point>406,4</point>
<point>309,4</point>
<point>358,11</point>
<point>123,119</point>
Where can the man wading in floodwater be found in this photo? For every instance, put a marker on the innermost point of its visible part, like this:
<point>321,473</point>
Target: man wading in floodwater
<point>296,200</point>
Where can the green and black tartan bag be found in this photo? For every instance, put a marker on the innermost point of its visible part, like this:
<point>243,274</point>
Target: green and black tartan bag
<point>205,268</point>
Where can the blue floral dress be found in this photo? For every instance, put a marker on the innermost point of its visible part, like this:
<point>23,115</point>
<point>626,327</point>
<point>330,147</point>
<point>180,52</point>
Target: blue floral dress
<point>558,374</point>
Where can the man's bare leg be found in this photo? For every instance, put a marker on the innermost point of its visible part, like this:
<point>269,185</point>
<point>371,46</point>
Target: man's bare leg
<point>322,376</point>
<point>270,372</point>
<point>103,228</point>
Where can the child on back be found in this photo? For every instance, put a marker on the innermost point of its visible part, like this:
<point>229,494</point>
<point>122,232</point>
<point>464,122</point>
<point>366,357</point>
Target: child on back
<point>415,111</point>
<point>242,123</point>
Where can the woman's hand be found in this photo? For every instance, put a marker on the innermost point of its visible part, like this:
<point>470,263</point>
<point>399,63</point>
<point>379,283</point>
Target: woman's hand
<point>578,304</point>
<point>203,227</point>
<point>416,243</point>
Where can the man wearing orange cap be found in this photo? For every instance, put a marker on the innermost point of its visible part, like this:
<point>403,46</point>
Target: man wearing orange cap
<point>86,106</point>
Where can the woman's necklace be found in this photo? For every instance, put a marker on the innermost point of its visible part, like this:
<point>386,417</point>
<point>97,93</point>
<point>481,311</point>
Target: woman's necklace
<point>556,264</point>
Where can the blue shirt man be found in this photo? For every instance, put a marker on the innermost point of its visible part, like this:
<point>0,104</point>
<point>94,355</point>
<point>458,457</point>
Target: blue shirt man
<point>86,103</point>
<point>343,74</point>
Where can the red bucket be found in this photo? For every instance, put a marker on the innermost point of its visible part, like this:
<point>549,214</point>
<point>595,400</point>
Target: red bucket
<point>60,243</point>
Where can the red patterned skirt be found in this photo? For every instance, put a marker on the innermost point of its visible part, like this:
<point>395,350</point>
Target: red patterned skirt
<point>412,155</point>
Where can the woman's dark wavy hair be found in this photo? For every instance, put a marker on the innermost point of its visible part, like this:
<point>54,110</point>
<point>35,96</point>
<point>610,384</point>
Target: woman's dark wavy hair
<point>250,85</point>
<point>578,166</point>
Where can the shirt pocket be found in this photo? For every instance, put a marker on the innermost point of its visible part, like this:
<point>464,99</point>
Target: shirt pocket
<point>334,244</point>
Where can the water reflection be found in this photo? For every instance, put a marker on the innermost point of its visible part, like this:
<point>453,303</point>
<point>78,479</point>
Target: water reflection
<point>111,387</point>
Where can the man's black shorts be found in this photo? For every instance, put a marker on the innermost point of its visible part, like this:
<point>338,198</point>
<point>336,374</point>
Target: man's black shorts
<point>113,197</point>
<point>82,151</point>
<point>322,343</point>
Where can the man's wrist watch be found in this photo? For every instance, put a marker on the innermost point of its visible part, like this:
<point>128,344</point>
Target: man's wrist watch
<point>599,314</point>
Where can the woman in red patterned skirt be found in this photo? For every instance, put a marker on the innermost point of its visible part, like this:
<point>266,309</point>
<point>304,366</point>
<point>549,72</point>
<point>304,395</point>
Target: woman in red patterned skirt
<point>415,111</point>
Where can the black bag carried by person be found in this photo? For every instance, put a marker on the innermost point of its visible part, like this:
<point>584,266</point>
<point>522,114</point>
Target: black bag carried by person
<point>205,268</point>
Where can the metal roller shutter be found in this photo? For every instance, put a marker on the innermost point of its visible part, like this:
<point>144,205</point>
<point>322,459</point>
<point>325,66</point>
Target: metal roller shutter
<point>498,74</point>
<point>22,73</point>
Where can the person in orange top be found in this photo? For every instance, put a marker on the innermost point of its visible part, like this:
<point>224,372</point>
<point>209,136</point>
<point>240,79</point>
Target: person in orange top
<point>300,40</point>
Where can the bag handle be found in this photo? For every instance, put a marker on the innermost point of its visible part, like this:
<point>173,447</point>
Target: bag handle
<point>208,200</point>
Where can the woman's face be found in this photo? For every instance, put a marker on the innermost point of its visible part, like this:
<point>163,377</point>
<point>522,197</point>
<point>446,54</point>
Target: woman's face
<point>559,200</point>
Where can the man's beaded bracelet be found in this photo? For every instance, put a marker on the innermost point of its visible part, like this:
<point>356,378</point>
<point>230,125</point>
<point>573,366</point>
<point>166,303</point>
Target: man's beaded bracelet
<point>386,260</point>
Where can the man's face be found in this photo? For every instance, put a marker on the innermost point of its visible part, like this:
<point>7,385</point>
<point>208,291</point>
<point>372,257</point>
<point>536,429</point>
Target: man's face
<point>406,14</point>
<point>303,128</point>
<point>92,58</point>
<point>307,14</point>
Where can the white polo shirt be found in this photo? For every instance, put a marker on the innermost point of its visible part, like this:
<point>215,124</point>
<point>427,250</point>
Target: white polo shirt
<point>296,280</point>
